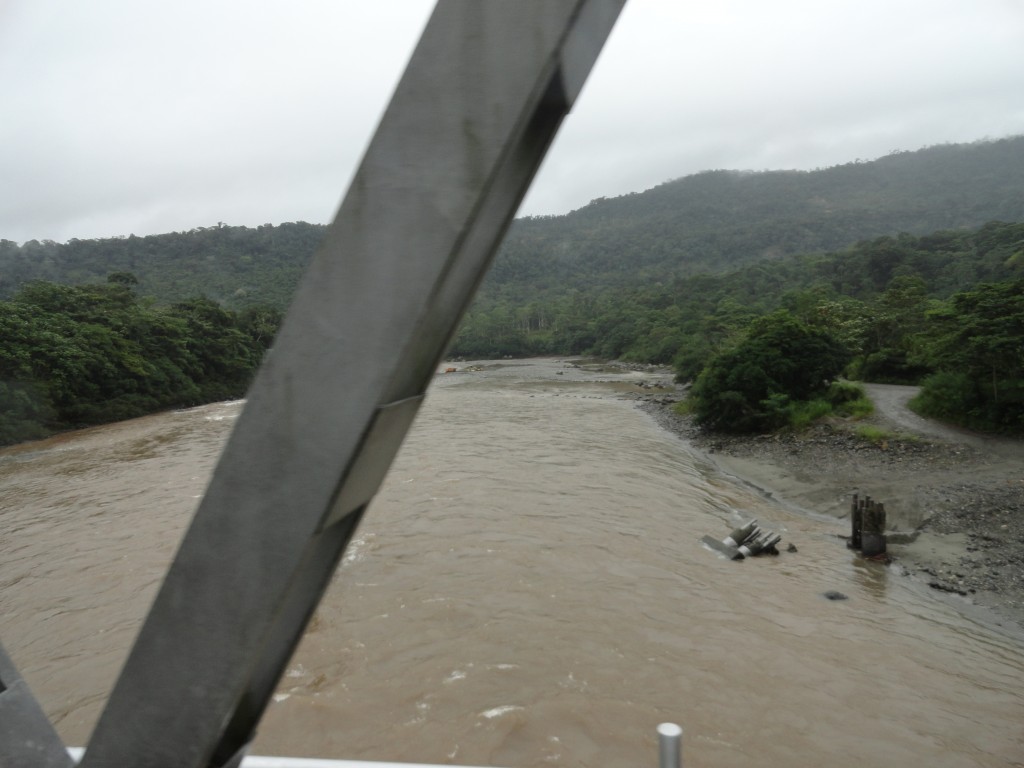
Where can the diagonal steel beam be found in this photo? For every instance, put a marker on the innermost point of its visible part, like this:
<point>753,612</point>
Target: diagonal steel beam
<point>27,739</point>
<point>469,123</point>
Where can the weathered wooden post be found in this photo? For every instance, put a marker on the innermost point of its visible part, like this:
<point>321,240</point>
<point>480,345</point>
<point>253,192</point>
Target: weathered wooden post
<point>873,532</point>
<point>867,521</point>
<point>855,522</point>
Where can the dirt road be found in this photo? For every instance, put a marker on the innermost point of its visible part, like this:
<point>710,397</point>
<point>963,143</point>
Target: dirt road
<point>891,407</point>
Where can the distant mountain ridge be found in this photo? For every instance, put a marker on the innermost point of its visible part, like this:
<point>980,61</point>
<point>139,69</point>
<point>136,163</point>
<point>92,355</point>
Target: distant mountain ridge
<point>720,220</point>
<point>708,222</point>
<point>238,267</point>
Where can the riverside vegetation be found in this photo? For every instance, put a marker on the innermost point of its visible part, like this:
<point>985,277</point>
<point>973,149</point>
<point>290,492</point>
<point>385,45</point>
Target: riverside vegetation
<point>762,288</point>
<point>77,355</point>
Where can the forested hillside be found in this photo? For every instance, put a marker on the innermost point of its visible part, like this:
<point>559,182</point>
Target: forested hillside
<point>945,309</point>
<point>237,267</point>
<point>684,318</point>
<point>710,222</point>
<point>905,269</point>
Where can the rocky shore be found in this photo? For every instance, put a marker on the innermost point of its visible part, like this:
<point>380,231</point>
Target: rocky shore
<point>955,503</point>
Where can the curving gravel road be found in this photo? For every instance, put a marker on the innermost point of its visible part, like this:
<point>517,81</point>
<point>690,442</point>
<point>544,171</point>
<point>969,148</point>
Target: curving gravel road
<point>891,406</point>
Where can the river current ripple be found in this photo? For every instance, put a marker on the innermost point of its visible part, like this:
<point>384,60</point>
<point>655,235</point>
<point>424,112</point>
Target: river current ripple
<point>528,589</point>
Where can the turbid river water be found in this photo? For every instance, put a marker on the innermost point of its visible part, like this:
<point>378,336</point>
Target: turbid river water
<point>528,589</point>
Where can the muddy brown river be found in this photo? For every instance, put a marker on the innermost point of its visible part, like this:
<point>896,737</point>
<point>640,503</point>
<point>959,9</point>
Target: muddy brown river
<point>529,589</point>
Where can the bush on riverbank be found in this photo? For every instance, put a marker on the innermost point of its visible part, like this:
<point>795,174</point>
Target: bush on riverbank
<point>777,375</point>
<point>846,399</point>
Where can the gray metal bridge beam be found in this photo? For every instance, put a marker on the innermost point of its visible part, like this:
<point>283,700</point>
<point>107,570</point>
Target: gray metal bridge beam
<point>469,123</point>
<point>27,739</point>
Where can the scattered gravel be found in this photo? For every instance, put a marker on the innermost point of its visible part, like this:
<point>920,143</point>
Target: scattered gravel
<point>992,519</point>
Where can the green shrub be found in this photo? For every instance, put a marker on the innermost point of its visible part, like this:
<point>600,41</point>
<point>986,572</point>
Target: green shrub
<point>849,399</point>
<point>684,407</point>
<point>856,409</point>
<point>873,434</point>
<point>752,387</point>
<point>805,413</point>
<point>948,395</point>
<point>843,391</point>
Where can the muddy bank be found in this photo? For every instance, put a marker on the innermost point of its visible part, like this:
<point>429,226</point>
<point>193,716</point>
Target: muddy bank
<point>955,506</point>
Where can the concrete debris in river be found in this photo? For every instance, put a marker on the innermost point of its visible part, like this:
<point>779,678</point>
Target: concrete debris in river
<point>746,541</point>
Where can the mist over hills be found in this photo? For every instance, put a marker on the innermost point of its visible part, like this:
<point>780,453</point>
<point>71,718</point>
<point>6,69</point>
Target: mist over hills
<point>708,222</point>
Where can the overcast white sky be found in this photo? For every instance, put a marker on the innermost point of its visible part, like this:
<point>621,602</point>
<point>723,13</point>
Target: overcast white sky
<point>120,117</point>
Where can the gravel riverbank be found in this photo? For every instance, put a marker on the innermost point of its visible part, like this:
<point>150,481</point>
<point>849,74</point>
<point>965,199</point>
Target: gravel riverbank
<point>955,504</point>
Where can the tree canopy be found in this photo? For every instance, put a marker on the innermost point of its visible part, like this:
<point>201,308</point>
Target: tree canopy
<point>976,347</point>
<point>780,360</point>
<point>72,356</point>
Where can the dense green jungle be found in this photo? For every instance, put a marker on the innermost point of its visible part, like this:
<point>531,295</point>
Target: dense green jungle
<point>761,287</point>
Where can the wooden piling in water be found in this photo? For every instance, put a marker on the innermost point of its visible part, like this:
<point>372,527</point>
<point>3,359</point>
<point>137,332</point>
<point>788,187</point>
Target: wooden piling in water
<point>868,526</point>
<point>873,531</point>
<point>855,520</point>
